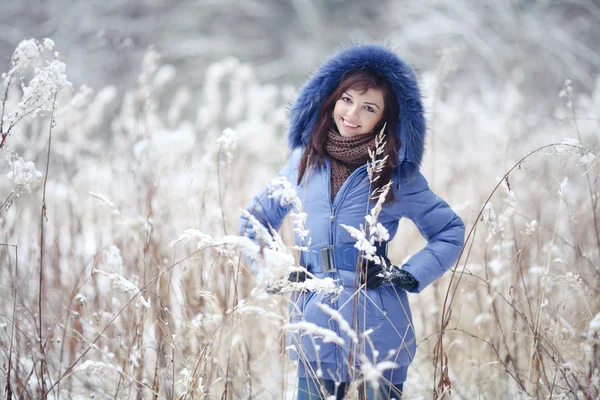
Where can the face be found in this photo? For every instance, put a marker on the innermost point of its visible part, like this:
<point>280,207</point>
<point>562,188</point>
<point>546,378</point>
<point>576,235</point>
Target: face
<point>357,113</point>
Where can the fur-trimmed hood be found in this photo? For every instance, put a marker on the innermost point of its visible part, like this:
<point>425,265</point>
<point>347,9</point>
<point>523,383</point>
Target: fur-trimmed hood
<point>382,61</point>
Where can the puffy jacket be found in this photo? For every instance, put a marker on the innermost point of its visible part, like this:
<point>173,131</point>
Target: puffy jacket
<point>385,310</point>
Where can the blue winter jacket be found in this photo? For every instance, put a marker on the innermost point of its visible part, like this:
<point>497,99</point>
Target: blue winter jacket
<point>385,310</point>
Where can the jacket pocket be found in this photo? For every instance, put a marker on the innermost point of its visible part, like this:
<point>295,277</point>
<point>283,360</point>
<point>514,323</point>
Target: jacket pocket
<point>298,303</point>
<point>375,306</point>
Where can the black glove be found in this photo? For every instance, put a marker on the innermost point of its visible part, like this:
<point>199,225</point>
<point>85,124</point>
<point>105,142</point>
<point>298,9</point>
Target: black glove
<point>394,274</point>
<point>296,276</point>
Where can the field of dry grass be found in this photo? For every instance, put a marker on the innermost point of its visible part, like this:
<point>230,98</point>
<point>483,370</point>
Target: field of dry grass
<point>101,299</point>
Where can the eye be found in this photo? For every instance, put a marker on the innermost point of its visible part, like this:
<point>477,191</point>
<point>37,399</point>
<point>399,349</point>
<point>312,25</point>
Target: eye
<point>346,99</point>
<point>369,109</point>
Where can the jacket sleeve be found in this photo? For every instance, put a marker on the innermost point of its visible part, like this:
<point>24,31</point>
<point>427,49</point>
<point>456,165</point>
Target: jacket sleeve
<point>439,225</point>
<point>268,211</point>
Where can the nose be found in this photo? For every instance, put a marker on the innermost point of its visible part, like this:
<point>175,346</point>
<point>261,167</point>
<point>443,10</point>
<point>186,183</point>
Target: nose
<point>353,110</point>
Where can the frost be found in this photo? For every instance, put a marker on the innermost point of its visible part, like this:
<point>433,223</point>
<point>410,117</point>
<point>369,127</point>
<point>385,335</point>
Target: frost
<point>24,173</point>
<point>562,189</point>
<point>80,298</point>
<point>375,230</point>
<point>280,189</point>
<point>587,158</point>
<point>203,239</point>
<point>496,265</point>
<point>373,373</point>
<point>113,257</point>
<point>488,216</point>
<point>362,243</point>
<point>122,285</point>
<point>257,232</point>
<point>228,142</point>
<point>531,227</point>
<point>272,258</point>
<point>568,327</point>
<point>308,328</point>
<point>342,323</point>
<point>377,161</point>
<point>48,44</point>
<point>104,199</point>
<point>39,94</point>
<point>92,368</point>
<point>26,52</point>
<point>570,142</point>
<point>567,91</point>
<point>243,309</point>
<point>164,75</point>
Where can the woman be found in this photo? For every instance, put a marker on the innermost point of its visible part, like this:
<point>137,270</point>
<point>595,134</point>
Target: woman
<point>334,123</point>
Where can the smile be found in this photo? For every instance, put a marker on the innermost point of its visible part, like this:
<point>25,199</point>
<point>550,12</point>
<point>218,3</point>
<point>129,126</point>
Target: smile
<point>349,125</point>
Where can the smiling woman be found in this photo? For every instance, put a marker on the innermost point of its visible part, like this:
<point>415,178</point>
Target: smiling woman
<point>358,112</point>
<point>361,105</point>
<point>362,108</point>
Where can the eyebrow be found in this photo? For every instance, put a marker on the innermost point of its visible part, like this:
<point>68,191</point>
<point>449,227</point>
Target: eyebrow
<point>366,102</point>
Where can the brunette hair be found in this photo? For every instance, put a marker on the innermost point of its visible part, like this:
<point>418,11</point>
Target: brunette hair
<point>360,80</point>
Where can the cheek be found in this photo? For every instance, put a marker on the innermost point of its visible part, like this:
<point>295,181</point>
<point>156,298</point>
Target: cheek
<point>373,119</point>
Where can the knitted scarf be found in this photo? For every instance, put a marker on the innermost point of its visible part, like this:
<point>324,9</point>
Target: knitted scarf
<point>345,155</point>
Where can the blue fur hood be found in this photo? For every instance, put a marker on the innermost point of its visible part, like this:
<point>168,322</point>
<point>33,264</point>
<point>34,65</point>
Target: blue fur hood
<point>411,122</point>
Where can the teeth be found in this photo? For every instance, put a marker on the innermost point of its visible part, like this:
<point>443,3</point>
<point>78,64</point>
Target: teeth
<point>349,124</point>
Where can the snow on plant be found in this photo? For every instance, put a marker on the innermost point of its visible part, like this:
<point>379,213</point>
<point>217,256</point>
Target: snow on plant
<point>203,239</point>
<point>121,285</point>
<point>243,308</point>
<point>113,257</point>
<point>488,216</point>
<point>280,189</point>
<point>373,231</point>
<point>324,285</point>
<point>192,383</point>
<point>377,162</point>
<point>309,328</point>
<point>272,259</point>
<point>373,373</point>
<point>106,201</point>
<point>276,264</point>
<point>567,91</point>
<point>530,228</point>
<point>377,231</point>
<point>342,323</point>
<point>23,173</point>
<point>77,225</point>
<point>562,191</point>
<point>256,231</point>
<point>93,369</point>
<point>228,142</point>
<point>39,93</point>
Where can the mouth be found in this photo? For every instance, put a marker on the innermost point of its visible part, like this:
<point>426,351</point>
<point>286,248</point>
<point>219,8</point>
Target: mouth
<point>349,125</point>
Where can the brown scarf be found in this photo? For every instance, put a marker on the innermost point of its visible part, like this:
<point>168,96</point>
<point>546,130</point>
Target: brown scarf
<point>345,155</point>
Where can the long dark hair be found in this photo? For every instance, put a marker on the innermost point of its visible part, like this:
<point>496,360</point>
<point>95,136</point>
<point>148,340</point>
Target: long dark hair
<point>360,80</point>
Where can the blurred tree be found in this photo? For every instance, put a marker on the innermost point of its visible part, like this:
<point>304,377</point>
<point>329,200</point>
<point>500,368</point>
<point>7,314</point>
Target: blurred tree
<point>538,43</point>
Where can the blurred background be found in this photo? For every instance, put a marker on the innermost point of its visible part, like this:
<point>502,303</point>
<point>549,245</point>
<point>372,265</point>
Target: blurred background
<point>535,43</point>
<point>140,156</point>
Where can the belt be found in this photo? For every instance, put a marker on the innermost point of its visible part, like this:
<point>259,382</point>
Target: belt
<point>332,258</point>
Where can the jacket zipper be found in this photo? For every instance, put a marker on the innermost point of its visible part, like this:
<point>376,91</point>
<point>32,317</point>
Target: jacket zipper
<point>341,194</point>
<point>331,207</point>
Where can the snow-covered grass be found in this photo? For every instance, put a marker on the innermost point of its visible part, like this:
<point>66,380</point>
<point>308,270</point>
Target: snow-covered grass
<point>141,287</point>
